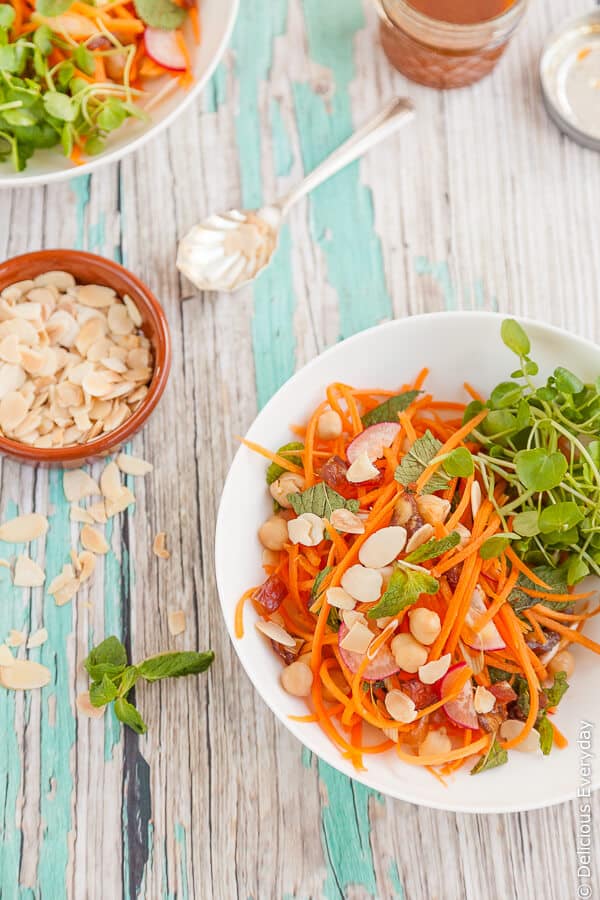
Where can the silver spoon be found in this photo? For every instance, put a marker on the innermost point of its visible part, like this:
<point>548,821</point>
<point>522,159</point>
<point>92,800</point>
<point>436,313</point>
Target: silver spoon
<point>229,249</point>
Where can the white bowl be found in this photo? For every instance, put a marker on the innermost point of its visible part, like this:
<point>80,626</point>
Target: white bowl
<point>217,18</point>
<point>457,347</point>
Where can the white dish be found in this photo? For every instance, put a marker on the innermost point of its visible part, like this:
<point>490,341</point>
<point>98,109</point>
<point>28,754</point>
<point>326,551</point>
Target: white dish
<point>217,19</point>
<point>457,347</point>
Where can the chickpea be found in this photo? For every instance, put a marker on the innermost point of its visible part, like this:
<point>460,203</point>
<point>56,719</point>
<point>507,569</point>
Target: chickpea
<point>273,533</point>
<point>435,743</point>
<point>425,625</point>
<point>564,661</point>
<point>288,483</point>
<point>329,425</point>
<point>408,653</point>
<point>297,679</point>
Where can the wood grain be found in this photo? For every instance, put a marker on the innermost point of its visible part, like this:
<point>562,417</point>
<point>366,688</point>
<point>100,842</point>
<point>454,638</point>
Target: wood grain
<point>481,204</point>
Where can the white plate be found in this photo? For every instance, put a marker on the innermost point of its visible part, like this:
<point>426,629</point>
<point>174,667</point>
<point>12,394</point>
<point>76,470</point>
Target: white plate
<point>217,18</point>
<point>456,346</point>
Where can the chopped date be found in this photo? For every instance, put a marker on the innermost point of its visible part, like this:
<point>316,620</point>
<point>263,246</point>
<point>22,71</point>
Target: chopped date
<point>422,695</point>
<point>271,594</point>
<point>333,472</point>
<point>99,42</point>
<point>503,692</point>
<point>453,575</point>
<point>492,721</point>
<point>552,639</point>
<point>288,654</point>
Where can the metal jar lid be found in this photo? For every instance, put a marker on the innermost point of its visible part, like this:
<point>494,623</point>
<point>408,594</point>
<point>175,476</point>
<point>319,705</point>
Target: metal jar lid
<point>570,76</point>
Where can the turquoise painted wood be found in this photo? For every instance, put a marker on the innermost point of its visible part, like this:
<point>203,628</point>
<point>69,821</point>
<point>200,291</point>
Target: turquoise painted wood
<point>482,204</point>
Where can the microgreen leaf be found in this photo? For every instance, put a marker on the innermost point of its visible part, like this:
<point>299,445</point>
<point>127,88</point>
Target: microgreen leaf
<point>495,756</point>
<point>388,410</point>
<point>321,500</point>
<point>515,337</point>
<point>275,470</point>
<point>175,664</point>
<point>160,13</point>
<point>434,548</point>
<point>60,106</point>
<point>7,16</point>
<point>52,7</point>
<point>496,545</point>
<point>130,716</point>
<point>566,382</point>
<point>404,588</point>
<point>526,523</point>
<point>84,60</point>
<point>473,409</point>
<point>546,733</point>
<point>504,395</point>
<point>102,692</point>
<point>576,570</point>
<point>540,470</point>
<point>560,517</point>
<point>459,463</point>
<point>42,38</point>
<point>414,463</point>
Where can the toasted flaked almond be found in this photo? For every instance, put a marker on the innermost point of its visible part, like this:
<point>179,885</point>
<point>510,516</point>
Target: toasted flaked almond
<point>23,529</point>
<point>433,671</point>
<point>512,728</point>
<point>75,561</point>
<point>421,536</point>
<point>400,706</point>
<point>77,484</point>
<point>28,573</point>
<point>176,622</point>
<point>13,292</point>
<point>120,503</point>
<point>95,295</point>
<point>362,469</point>
<point>382,547</point>
<point>38,638</point>
<point>9,349</point>
<point>12,378</point>
<point>24,675</point>
<point>159,546</point>
<point>347,522</point>
<point>68,394</point>
<point>308,529</point>
<point>338,597</point>
<point>133,465</point>
<point>65,594</point>
<point>87,564</point>
<point>15,638</point>
<point>98,512</point>
<point>97,384</point>
<point>358,639</point>
<point>465,534</point>
<point>110,482</point>
<point>86,708</point>
<point>78,514</point>
<point>62,281</point>
<point>363,584</point>
<point>134,313</point>
<point>66,575</point>
<point>434,510</point>
<point>475,498</point>
<point>275,632</point>
<point>91,331</point>
<point>484,701</point>
<point>6,657</point>
<point>93,540</point>
<point>119,320</point>
<point>350,616</point>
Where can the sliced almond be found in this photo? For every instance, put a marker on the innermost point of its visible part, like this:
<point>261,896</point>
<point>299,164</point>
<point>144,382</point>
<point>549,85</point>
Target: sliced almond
<point>433,671</point>
<point>77,484</point>
<point>134,313</point>
<point>383,547</point>
<point>475,498</point>
<point>95,295</point>
<point>15,638</point>
<point>119,320</point>
<point>93,540</point>
<point>24,675</point>
<point>133,465</point>
<point>120,503</point>
<point>9,349</point>
<point>23,529</point>
<point>358,639</point>
<point>350,616</point>
<point>38,638</point>
<point>86,708</point>
<point>98,512</point>
<point>362,469</point>
<point>400,706</point>
<point>363,584</point>
<point>78,514</point>
<point>62,281</point>
<point>347,522</point>
<point>176,622</point>
<point>421,536</point>
<point>275,632</point>
<point>110,482</point>
<point>28,573</point>
<point>434,510</point>
<point>484,701</point>
<point>159,546</point>
<point>341,599</point>
<point>6,657</point>
<point>97,384</point>
<point>87,564</point>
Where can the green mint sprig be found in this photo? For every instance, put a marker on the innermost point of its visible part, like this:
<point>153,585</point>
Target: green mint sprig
<point>112,678</point>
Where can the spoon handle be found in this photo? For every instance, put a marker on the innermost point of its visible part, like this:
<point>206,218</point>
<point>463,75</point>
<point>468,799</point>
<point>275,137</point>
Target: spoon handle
<point>392,117</point>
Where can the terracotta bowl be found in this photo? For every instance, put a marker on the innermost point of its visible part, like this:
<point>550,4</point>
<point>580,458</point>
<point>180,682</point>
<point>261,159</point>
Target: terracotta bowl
<point>87,268</point>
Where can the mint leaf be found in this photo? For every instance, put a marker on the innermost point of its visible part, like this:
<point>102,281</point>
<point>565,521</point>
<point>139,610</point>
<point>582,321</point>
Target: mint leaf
<point>275,470</point>
<point>497,675</point>
<point>558,689</point>
<point>321,500</point>
<point>159,13</point>
<point>127,680</point>
<point>555,578</point>
<point>388,410</point>
<point>434,548</point>
<point>404,588</point>
<point>322,575</point>
<point>496,756</point>
<point>175,664</point>
<point>102,692</point>
<point>108,658</point>
<point>129,715</point>
<point>546,733</point>
<point>423,450</point>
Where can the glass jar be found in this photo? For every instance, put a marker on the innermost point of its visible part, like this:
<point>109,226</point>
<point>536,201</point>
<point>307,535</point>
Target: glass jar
<point>446,54</point>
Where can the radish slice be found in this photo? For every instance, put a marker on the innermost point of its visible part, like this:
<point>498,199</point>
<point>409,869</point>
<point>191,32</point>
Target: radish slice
<point>382,666</point>
<point>489,637</point>
<point>372,441</point>
<point>461,710</point>
<point>162,47</point>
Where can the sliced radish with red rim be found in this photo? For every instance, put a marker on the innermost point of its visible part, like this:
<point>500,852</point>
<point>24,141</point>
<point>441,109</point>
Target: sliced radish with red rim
<point>162,47</point>
<point>460,710</point>
<point>489,636</point>
<point>373,441</point>
<point>382,665</point>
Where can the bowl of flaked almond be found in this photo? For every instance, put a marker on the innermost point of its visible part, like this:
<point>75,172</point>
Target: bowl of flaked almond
<point>85,354</point>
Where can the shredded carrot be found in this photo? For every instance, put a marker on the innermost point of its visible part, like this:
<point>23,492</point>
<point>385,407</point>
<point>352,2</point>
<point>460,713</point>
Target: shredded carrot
<point>450,444</point>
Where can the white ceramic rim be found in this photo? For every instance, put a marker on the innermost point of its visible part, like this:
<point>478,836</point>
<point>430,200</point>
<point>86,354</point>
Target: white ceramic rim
<point>19,181</point>
<point>331,755</point>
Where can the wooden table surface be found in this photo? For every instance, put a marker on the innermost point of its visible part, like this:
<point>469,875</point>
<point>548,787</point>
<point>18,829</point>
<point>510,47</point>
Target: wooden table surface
<point>480,204</point>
